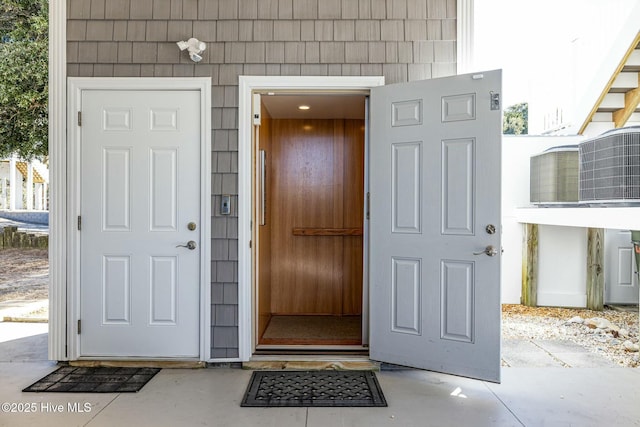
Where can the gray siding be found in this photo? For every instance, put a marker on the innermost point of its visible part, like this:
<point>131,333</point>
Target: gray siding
<point>401,39</point>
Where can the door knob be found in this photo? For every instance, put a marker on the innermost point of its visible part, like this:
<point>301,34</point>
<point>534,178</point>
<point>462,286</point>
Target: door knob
<point>489,251</point>
<point>190,245</point>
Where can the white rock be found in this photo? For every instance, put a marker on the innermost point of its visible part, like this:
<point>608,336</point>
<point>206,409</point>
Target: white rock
<point>629,346</point>
<point>576,319</point>
<point>599,323</point>
<point>623,333</point>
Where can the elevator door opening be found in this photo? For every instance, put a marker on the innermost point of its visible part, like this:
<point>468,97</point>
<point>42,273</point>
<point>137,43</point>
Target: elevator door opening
<point>310,173</point>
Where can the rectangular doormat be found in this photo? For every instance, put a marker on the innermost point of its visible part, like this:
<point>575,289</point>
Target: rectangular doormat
<point>69,379</point>
<point>313,388</point>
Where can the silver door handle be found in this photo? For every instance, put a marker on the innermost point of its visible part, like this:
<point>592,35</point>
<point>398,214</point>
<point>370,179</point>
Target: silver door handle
<point>190,245</point>
<point>489,251</point>
<point>263,187</point>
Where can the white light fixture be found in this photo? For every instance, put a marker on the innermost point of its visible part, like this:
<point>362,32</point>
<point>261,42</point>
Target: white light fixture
<point>194,46</point>
<point>303,107</point>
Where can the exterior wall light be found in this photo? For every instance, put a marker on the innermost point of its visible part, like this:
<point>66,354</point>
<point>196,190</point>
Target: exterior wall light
<point>194,46</point>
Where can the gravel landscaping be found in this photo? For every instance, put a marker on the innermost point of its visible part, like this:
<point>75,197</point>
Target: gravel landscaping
<point>610,333</point>
<point>24,274</point>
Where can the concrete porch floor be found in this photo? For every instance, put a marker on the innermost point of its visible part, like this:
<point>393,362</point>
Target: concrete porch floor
<point>528,396</point>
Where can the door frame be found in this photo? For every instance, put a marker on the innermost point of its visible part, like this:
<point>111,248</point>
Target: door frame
<point>74,96</point>
<point>248,84</point>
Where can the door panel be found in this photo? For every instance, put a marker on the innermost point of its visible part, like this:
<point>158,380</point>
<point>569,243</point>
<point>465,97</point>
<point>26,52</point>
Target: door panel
<point>117,184</point>
<point>406,287</point>
<point>353,216</point>
<point>304,269</point>
<point>457,308</point>
<point>407,187</point>
<point>140,293</point>
<point>621,285</point>
<point>435,187</point>
<point>315,216</point>
<point>164,189</point>
<point>458,182</point>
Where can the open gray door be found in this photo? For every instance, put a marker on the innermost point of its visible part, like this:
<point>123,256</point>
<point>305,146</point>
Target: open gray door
<point>435,224</point>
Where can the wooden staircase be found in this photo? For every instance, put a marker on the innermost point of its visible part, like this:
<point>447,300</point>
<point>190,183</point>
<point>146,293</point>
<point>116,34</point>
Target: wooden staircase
<point>618,104</point>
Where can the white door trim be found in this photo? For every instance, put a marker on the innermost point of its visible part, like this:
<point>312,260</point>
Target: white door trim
<point>247,84</point>
<point>58,180</point>
<point>74,97</point>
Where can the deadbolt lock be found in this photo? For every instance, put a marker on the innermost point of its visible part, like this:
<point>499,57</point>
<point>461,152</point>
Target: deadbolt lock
<point>490,229</point>
<point>191,226</point>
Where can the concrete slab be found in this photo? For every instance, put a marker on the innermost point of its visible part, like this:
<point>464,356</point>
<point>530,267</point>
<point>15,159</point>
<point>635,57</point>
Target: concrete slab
<point>526,354</point>
<point>22,342</point>
<point>585,360</point>
<point>195,397</point>
<point>560,346</point>
<point>421,398</point>
<point>45,409</point>
<point>571,397</point>
<point>527,396</point>
<point>574,355</point>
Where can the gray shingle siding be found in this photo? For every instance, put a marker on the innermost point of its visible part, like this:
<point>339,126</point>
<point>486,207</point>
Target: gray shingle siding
<point>400,39</point>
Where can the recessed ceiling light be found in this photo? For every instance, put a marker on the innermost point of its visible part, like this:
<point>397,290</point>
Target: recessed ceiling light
<point>303,107</point>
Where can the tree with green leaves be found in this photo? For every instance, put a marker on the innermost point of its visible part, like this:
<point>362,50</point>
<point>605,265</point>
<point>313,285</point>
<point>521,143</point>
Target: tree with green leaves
<point>24,60</point>
<point>516,119</point>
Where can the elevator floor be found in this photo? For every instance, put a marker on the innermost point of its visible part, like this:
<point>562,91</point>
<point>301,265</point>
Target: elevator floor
<point>313,330</point>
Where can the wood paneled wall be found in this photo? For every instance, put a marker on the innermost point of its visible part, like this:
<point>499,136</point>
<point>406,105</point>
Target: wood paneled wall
<point>316,182</point>
<point>263,238</point>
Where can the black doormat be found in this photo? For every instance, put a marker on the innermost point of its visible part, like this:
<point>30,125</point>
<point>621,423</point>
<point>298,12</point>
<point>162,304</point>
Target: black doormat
<point>313,388</point>
<point>69,379</point>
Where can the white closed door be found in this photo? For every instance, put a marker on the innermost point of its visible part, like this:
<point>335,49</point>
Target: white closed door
<point>140,190</point>
<point>621,285</point>
<point>435,162</point>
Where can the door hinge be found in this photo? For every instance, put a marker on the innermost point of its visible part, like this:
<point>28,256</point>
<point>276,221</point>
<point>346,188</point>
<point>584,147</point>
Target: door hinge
<point>79,326</point>
<point>79,222</point>
<point>368,208</point>
<point>79,118</point>
<point>249,243</point>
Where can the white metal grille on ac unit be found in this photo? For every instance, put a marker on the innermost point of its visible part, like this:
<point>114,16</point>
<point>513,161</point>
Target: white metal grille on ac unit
<point>610,167</point>
<point>554,176</point>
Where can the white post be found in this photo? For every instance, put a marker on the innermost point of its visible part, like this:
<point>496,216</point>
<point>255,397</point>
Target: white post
<point>29,186</point>
<point>45,196</point>
<point>39,196</point>
<point>3,190</point>
<point>13,172</point>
